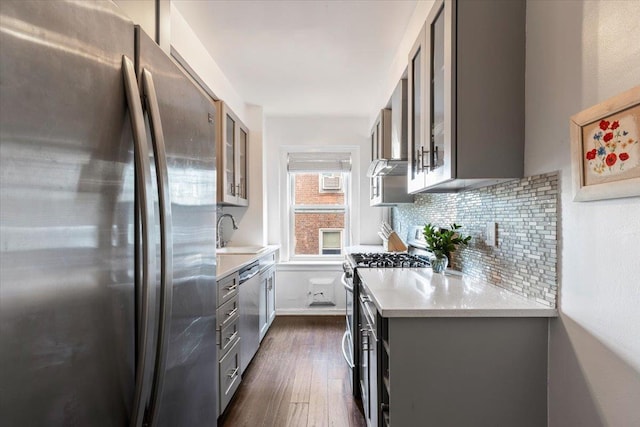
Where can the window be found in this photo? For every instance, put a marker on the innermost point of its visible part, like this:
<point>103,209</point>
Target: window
<point>330,183</point>
<point>318,204</point>
<point>331,241</point>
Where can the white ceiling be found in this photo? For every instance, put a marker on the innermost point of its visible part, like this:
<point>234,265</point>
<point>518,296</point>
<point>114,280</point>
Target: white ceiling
<point>302,57</point>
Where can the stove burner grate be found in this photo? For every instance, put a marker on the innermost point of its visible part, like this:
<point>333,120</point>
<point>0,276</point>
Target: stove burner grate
<point>388,260</point>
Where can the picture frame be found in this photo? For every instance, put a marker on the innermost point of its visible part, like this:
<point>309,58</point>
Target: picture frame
<point>605,149</point>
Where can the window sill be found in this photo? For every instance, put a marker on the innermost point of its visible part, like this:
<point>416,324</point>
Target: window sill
<point>326,265</point>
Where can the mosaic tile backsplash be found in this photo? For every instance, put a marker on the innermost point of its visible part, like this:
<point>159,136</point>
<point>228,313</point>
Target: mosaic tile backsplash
<point>525,210</point>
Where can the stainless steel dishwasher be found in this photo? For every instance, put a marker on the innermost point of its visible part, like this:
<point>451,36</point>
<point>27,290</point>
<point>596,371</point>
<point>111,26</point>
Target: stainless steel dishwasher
<point>249,326</point>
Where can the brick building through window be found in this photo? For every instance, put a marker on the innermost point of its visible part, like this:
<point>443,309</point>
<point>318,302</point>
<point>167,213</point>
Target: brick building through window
<point>320,213</point>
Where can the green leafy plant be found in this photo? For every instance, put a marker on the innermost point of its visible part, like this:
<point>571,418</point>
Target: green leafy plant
<point>443,241</point>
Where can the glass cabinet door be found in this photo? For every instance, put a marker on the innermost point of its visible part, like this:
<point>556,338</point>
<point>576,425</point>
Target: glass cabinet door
<point>437,91</point>
<point>440,100</point>
<point>229,160</point>
<point>232,159</point>
<point>374,189</point>
<point>416,116</point>
<point>241,180</point>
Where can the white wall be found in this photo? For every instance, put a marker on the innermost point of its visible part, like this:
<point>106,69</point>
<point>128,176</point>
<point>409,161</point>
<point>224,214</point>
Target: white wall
<point>579,54</point>
<point>293,288</point>
<point>184,40</point>
<point>252,220</point>
<point>142,12</point>
<point>401,58</point>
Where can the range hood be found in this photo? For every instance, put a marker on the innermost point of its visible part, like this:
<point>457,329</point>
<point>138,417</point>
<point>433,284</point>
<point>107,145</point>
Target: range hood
<point>387,167</point>
<point>390,151</point>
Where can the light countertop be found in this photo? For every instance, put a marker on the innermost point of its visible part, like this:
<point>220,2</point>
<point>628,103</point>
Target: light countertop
<point>418,292</point>
<point>228,263</point>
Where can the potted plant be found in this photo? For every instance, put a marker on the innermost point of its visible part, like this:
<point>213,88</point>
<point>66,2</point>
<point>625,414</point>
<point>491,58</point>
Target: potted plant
<point>443,241</point>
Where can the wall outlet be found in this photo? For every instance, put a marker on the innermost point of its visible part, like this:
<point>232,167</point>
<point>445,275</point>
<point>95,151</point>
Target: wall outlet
<point>491,234</point>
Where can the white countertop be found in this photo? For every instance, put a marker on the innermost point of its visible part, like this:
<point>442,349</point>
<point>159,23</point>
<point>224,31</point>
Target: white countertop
<point>228,263</point>
<point>418,292</point>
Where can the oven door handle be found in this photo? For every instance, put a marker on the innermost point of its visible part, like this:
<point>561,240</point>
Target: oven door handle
<point>344,351</point>
<point>346,285</point>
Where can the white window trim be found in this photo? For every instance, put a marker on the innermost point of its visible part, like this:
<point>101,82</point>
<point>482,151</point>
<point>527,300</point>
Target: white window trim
<point>285,208</point>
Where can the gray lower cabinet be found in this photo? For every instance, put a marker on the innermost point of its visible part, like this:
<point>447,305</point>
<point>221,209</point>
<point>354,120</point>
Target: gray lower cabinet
<point>462,372</point>
<point>244,315</point>
<point>267,300</point>
<point>228,339</point>
<point>229,374</point>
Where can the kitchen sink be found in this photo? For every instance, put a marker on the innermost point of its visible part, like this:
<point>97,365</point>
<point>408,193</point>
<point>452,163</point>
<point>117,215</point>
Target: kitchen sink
<point>237,250</point>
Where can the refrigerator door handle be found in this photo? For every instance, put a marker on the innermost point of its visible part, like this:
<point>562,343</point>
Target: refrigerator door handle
<point>166,242</point>
<point>145,337</point>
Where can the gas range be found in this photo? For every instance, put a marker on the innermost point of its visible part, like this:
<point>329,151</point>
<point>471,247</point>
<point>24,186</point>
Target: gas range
<point>387,260</point>
<point>352,340</point>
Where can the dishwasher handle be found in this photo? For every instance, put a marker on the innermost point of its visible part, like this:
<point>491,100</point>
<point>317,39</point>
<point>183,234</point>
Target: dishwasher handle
<point>249,272</point>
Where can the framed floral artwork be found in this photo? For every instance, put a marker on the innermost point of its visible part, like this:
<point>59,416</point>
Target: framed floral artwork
<point>605,152</point>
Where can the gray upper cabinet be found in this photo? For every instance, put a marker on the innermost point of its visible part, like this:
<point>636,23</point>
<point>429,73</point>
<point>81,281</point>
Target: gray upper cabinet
<point>389,144</point>
<point>232,159</point>
<point>466,96</point>
<point>380,132</point>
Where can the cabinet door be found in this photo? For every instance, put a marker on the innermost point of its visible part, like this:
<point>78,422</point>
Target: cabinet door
<point>241,179</point>
<point>262,305</point>
<point>271,298</point>
<point>440,117</point>
<point>267,302</point>
<point>233,166</point>
<point>416,118</point>
<point>374,187</point>
<point>229,375</point>
<point>227,154</point>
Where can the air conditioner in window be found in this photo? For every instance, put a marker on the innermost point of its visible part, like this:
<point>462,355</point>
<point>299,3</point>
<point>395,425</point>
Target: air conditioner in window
<point>331,182</point>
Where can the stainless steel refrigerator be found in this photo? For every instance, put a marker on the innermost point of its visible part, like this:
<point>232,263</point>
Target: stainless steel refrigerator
<point>107,224</point>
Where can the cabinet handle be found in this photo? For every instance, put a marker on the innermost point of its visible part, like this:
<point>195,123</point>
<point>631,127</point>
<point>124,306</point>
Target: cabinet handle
<point>232,288</point>
<point>436,157</point>
<point>424,153</point>
<point>232,313</point>
<point>233,373</point>
<point>419,159</point>
<point>232,336</point>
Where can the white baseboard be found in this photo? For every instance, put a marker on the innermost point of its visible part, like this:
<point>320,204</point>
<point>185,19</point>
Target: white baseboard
<point>311,312</point>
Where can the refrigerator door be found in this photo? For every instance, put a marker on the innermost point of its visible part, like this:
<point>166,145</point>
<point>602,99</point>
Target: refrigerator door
<point>67,297</point>
<point>185,388</point>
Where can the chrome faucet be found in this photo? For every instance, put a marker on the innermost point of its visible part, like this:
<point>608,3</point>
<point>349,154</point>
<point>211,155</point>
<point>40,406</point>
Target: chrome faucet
<point>219,242</point>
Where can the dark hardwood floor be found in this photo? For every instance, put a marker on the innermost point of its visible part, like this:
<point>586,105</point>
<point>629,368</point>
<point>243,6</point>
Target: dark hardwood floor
<point>298,378</point>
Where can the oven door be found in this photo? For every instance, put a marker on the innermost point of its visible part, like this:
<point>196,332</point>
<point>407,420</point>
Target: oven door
<point>348,339</point>
<point>347,282</point>
<point>364,362</point>
<point>368,359</point>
